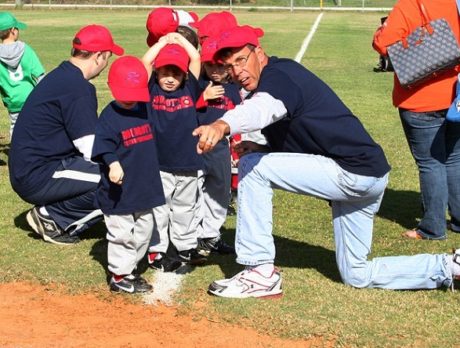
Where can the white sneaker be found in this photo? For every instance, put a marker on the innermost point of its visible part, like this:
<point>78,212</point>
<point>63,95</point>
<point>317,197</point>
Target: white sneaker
<point>248,283</point>
<point>456,264</point>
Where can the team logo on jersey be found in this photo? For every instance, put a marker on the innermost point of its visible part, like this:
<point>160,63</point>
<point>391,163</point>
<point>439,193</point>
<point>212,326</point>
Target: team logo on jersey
<point>159,102</point>
<point>136,135</point>
<point>16,74</point>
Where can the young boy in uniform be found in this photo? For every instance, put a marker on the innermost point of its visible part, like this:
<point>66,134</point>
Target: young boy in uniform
<point>20,68</point>
<point>174,90</point>
<point>131,185</point>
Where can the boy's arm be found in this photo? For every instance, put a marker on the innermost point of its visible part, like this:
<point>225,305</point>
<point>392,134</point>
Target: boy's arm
<point>195,61</point>
<point>152,53</point>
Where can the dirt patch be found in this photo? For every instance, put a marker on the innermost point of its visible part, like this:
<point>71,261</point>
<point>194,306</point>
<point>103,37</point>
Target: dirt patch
<point>38,316</point>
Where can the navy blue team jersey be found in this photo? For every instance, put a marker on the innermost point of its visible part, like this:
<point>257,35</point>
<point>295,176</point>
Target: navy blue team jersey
<point>60,109</point>
<point>317,122</point>
<point>216,108</point>
<point>175,118</point>
<point>127,136</point>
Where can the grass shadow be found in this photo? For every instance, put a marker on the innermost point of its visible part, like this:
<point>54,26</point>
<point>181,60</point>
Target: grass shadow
<point>289,253</point>
<point>401,207</point>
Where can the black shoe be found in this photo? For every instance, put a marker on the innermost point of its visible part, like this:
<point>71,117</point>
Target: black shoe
<point>192,257</point>
<point>165,264</point>
<point>48,229</point>
<point>214,245</point>
<point>131,284</point>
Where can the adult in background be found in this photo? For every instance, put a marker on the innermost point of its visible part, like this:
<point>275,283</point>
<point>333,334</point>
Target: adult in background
<point>318,148</point>
<point>49,160</point>
<point>433,141</point>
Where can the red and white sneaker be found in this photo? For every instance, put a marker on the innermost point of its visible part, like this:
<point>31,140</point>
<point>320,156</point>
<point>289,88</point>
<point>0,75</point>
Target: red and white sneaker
<point>248,283</point>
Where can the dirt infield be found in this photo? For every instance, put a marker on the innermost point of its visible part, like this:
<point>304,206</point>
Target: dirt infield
<point>38,316</point>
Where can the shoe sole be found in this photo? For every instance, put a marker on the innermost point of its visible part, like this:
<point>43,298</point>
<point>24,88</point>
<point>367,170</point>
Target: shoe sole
<point>35,227</point>
<point>215,289</point>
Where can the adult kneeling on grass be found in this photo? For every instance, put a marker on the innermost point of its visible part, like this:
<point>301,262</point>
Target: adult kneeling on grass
<point>318,148</point>
<point>49,159</point>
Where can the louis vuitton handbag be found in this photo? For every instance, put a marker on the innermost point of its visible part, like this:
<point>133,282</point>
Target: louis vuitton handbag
<point>426,52</point>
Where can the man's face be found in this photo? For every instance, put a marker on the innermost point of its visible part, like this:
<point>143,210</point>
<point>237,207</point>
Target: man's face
<point>170,77</point>
<point>245,66</point>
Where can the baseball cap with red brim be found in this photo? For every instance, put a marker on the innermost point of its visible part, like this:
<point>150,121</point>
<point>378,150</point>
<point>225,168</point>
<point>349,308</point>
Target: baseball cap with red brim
<point>161,21</point>
<point>239,36</point>
<point>95,38</point>
<point>128,80</point>
<point>172,54</point>
<point>208,50</point>
<point>214,23</point>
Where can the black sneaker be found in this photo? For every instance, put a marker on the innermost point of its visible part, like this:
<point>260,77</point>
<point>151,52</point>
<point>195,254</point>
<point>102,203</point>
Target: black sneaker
<point>207,246</point>
<point>48,229</point>
<point>165,264</point>
<point>192,257</point>
<point>131,284</point>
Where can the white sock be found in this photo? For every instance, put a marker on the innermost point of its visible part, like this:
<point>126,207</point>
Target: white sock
<point>43,211</point>
<point>266,269</point>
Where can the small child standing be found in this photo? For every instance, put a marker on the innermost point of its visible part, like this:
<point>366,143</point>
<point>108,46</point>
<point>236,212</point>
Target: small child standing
<point>219,96</point>
<point>174,91</point>
<point>130,186</point>
<point>20,68</point>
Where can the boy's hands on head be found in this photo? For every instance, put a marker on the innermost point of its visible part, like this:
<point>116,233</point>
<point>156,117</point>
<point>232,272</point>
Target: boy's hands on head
<point>213,92</point>
<point>116,173</point>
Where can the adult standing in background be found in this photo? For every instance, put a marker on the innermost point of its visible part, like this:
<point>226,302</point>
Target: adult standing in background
<point>49,160</point>
<point>318,148</point>
<point>434,143</point>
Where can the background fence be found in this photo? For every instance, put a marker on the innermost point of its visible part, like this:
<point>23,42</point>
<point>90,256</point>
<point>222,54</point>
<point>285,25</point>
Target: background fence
<point>372,5</point>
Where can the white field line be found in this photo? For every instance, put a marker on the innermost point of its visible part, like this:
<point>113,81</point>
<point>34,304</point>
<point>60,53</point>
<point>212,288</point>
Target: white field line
<point>307,40</point>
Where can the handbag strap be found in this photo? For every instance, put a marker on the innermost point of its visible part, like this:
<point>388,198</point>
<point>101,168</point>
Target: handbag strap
<point>425,18</point>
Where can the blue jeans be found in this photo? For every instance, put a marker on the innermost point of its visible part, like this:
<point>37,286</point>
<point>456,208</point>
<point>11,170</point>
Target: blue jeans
<point>354,199</point>
<point>435,146</point>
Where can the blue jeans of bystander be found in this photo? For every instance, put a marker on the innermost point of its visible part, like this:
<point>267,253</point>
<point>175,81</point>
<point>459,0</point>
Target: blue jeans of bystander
<point>435,146</point>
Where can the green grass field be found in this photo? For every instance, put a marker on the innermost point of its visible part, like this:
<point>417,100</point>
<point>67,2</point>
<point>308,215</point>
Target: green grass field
<point>315,302</point>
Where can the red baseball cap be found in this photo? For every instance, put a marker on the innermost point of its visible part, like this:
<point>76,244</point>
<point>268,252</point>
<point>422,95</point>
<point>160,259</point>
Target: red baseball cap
<point>186,18</point>
<point>213,23</point>
<point>94,38</point>
<point>172,54</point>
<point>160,22</point>
<point>239,36</point>
<point>128,80</point>
<point>208,50</point>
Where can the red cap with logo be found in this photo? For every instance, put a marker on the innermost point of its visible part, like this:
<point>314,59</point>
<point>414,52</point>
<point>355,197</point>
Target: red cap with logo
<point>95,38</point>
<point>208,50</point>
<point>213,23</point>
<point>160,22</point>
<point>239,36</point>
<point>128,80</point>
<point>172,54</point>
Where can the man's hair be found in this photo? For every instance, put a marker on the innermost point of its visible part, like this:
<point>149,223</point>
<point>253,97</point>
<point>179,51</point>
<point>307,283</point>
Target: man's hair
<point>77,53</point>
<point>227,52</point>
<point>5,33</point>
<point>189,34</point>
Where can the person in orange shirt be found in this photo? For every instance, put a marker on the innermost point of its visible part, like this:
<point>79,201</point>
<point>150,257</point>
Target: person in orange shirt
<point>434,143</point>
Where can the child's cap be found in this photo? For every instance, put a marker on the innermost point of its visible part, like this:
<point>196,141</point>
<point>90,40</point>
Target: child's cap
<point>239,36</point>
<point>215,22</point>
<point>94,38</point>
<point>7,21</point>
<point>172,54</point>
<point>208,50</point>
<point>128,80</point>
<point>160,22</point>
